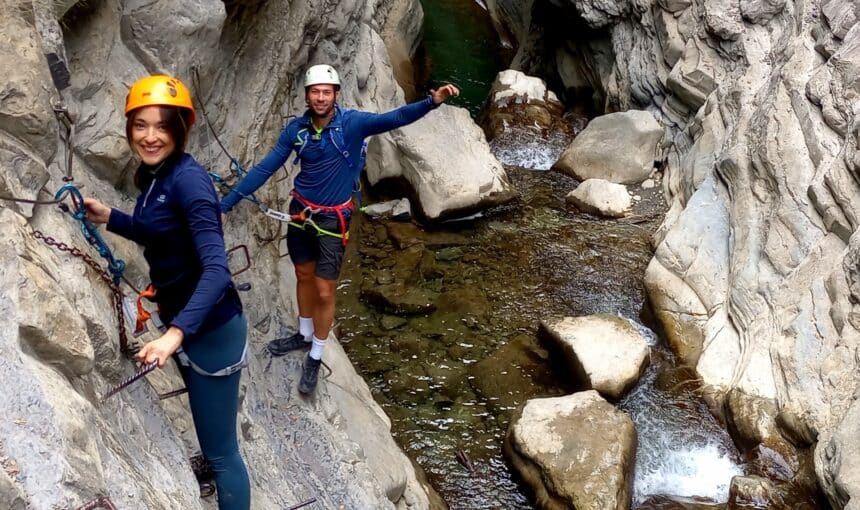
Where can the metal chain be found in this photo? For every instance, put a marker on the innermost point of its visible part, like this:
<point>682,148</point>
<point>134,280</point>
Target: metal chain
<point>103,274</point>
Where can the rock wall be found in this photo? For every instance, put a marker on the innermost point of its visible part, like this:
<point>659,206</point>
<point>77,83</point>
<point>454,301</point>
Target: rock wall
<point>59,448</point>
<point>756,269</point>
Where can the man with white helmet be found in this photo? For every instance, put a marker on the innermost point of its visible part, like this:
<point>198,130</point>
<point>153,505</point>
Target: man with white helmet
<point>329,144</point>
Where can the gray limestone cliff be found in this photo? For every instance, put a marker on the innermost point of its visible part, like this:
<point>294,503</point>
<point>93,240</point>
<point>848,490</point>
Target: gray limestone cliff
<point>755,277</point>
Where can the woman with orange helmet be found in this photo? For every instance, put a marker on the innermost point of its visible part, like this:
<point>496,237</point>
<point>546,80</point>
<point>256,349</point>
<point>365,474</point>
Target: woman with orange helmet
<point>177,221</point>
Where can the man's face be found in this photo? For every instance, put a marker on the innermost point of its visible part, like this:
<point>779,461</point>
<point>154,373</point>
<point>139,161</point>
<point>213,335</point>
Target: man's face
<point>321,99</point>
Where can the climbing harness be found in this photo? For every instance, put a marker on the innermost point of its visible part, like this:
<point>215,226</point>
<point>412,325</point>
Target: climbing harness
<point>185,361</point>
<point>304,218</point>
<point>143,314</point>
<point>130,379</point>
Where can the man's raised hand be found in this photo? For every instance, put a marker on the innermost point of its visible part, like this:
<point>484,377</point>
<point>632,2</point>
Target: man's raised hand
<point>442,94</point>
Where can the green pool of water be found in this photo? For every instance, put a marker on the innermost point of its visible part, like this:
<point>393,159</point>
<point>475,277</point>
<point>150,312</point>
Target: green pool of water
<point>460,46</point>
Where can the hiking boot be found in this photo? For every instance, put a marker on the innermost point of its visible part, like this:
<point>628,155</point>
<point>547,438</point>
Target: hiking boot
<point>281,346</point>
<point>310,371</point>
<point>204,474</point>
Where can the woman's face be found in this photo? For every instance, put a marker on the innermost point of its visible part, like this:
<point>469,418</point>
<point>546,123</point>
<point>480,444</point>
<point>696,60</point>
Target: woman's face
<point>150,138</point>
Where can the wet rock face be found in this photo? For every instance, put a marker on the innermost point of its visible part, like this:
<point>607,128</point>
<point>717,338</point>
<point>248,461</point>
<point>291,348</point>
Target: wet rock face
<point>574,451</point>
<point>525,122</point>
<point>518,102</point>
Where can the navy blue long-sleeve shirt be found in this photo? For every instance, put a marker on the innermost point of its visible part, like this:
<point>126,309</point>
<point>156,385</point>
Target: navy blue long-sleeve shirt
<point>177,220</point>
<point>328,176</point>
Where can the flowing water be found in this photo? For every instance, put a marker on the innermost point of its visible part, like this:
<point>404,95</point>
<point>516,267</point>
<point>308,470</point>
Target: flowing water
<point>451,377</point>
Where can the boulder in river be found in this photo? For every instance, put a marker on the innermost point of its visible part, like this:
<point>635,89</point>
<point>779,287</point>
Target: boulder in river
<point>619,147</point>
<point>603,352</point>
<point>575,451</point>
<point>601,197</point>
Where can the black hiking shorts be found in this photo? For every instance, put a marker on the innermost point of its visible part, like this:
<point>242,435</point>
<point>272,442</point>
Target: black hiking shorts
<point>308,245</point>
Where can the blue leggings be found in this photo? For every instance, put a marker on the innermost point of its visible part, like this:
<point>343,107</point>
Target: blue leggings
<point>214,406</point>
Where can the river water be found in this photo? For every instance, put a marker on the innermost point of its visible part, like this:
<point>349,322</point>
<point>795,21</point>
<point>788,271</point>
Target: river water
<point>450,379</point>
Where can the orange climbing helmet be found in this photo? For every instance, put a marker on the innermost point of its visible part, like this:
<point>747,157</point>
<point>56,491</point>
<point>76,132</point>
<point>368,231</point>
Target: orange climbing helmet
<point>159,90</point>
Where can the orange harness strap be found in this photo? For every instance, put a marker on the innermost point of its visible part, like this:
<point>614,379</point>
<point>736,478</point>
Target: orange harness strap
<point>143,314</point>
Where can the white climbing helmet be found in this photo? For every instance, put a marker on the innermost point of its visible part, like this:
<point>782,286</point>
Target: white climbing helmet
<point>321,74</point>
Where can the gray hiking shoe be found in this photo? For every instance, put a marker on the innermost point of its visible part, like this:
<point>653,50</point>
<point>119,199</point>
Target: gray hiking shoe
<point>281,346</point>
<point>310,372</point>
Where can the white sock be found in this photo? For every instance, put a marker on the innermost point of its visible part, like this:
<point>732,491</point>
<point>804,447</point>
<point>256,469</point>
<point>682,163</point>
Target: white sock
<point>317,348</point>
<point>306,327</point>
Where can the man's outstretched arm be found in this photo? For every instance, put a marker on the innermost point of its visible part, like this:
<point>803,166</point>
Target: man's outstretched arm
<point>373,123</point>
<point>261,172</point>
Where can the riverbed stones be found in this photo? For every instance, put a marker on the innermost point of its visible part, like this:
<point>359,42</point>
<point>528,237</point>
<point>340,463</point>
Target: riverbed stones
<point>601,197</point>
<point>575,451</point>
<point>773,459</point>
<point>602,352</point>
<point>389,322</point>
<point>758,492</point>
<point>753,289</point>
<point>400,299</point>
<point>403,235</point>
<point>677,503</point>
<point>396,210</point>
<point>512,373</point>
<point>750,419</point>
<point>618,147</point>
<point>750,491</point>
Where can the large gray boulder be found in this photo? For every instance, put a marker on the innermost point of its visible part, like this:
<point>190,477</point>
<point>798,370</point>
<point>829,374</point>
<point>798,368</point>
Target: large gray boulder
<point>604,198</point>
<point>617,147</point>
<point>603,352</point>
<point>447,161</point>
<point>575,451</point>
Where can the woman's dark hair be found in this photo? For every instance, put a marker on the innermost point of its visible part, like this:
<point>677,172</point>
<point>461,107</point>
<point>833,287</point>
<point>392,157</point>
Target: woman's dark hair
<point>176,121</point>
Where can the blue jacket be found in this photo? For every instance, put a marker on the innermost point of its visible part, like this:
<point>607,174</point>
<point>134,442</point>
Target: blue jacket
<point>177,221</point>
<point>332,164</point>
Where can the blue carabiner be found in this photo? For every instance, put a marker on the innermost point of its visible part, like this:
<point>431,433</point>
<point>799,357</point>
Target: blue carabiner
<point>90,231</point>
